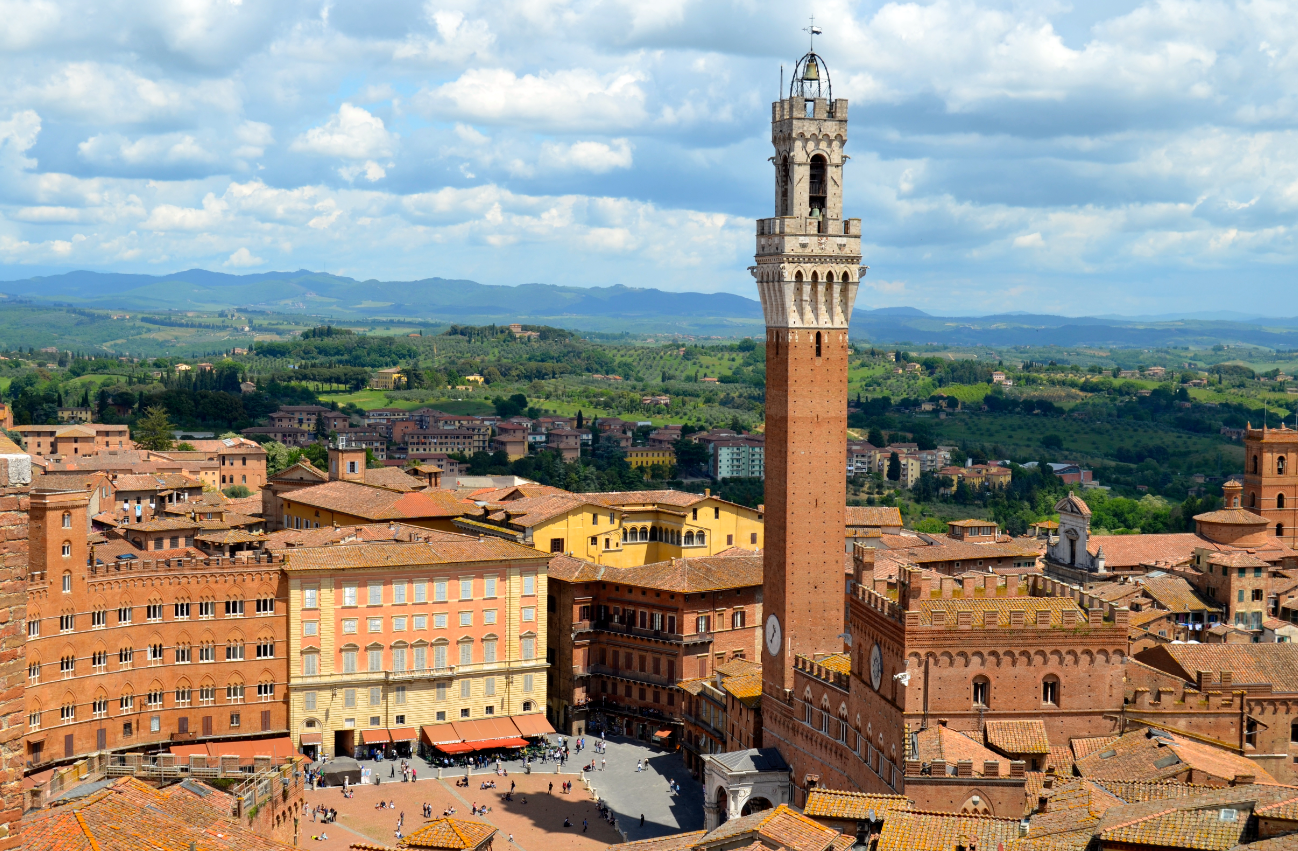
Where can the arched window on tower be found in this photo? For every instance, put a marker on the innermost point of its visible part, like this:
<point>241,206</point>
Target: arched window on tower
<point>1279,530</point>
<point>818,188</point>
<point>1279,465</point>
<point>784,188</point>
<point>817,344</point>
<point>1254,463</point>
<point>1252,500</point>
<point>1279,500</point>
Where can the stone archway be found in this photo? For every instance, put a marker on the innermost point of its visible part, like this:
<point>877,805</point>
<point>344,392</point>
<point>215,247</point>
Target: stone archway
<point>723,805</point>
<point>755,805</point>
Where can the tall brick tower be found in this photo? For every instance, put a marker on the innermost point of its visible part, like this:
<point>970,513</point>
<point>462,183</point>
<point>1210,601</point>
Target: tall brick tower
<point>1271,480</point>
<point>808,269</point>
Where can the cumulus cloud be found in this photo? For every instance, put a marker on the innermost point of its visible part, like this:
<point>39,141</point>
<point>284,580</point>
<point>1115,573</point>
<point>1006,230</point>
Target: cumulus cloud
<point>243,258</point>
<point>353,134</point>
<point>1128,151</point>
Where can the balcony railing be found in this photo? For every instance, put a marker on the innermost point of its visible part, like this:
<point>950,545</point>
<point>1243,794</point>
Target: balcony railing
<point>655,680</point>
<point>611,628</point>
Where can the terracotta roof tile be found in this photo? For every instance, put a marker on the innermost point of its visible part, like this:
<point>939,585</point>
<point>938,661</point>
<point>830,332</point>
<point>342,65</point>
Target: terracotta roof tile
<point>838,662</point>
<point>452,834</point>
<point>942,742</point>
<point>1018,737</point>
<point>1135,550</point>
<point>371,503</point>
<point>465,549</point>
<point>1155,755</point>
<point>674,842</point>
<point>1002,606</point>
<point>870,515</point>
<point>832,803</point>
<point>916,831</point>
<point>1250,664</point>
<point>686,575</point>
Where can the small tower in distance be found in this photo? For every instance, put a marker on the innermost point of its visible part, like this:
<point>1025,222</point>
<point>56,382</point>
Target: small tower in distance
<point>807,271</point>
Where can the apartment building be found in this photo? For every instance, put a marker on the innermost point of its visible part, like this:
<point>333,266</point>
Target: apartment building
<point>648,456</point>
<point>305,417</point>
<point>128,652</point>
<point>388,638</point>
<point>45,441</point>
<point>624,639</point>
<point>737,457</point>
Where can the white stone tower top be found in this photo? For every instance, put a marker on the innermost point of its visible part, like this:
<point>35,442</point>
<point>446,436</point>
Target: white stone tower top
<point>808,256</point>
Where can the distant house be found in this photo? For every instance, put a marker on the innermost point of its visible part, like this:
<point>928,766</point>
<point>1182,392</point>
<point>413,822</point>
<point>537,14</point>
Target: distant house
<point>388,379</point>
<point>184,367</point>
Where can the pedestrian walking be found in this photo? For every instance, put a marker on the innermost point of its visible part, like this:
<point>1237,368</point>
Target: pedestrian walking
<point>603,764</point>
<point>642,819</point>
<point>585,825</point>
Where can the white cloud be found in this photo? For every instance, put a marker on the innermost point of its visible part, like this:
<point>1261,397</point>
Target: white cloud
<point>596,157</point>
<point>169,217</point>
<point>457,40</point>
<point>571,99</point>
<point>169,148</point>
<point>27,23</point>
<point>371,170</point>
<point>353,133</point>
<point>1030,240</point>
<point>243,258</point>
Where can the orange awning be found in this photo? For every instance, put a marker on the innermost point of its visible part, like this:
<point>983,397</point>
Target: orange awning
<point>375,737</point>
<point>438,734</point>
<point>491,744</point>
<point>662,734</point>
<point>454,747</point>
<point>311,738</point>
<point>532,725</point>
<point>246,749</point>
<point>404,734</point>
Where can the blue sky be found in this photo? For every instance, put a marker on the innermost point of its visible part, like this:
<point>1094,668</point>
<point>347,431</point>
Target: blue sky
<point>1097,157</point>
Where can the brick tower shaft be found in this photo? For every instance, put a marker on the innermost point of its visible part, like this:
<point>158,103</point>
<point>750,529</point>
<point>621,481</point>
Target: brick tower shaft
<point>807,271</point>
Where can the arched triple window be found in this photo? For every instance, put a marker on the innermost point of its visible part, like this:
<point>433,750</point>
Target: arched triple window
<point>67,519</point>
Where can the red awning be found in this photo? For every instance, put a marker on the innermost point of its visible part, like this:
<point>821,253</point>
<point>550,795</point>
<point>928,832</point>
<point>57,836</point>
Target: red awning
<point>311,738</point>
<point>454,747</point>
<point>532,725</point>
<point>491,744</point>
<point>404,734</point>
<point>375,737</point>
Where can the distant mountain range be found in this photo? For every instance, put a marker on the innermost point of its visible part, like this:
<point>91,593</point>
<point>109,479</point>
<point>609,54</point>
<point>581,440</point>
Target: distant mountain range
<point>615,308</point>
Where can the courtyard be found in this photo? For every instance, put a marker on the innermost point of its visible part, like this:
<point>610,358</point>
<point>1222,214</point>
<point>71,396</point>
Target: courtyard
<point>536,814</point>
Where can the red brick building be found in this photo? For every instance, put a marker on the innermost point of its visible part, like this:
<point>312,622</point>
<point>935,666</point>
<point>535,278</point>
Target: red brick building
<point>134,651</point>
<point>623,638</point>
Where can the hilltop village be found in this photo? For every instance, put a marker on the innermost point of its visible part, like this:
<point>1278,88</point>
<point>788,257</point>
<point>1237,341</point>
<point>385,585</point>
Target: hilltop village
<point>203,633</point>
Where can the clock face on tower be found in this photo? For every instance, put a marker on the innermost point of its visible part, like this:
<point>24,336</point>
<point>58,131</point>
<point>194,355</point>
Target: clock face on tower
<point>773,637</point>
<point>876,666</point>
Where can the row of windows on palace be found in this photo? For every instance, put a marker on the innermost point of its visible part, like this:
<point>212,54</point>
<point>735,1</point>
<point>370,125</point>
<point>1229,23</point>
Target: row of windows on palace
<point>416,591</point>
<point>651,533</point>
<point>404,657</point>
<point>234,607</point>
<point>153,700</point>
<point>153,613</point>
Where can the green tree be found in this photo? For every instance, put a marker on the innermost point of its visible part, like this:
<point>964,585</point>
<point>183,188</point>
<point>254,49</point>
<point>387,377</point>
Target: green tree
<point>317,454</point>
<point>876,438</point>
<point>579,419</point>
<point>1052,441</point>
<point>237,491</point>
<point>894,467</point>
<point>154,430</point>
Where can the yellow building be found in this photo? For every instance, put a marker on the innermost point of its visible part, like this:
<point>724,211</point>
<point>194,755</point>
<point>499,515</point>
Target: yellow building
<point>392,643</point>
<point>647,456</point>
<point>621,529</point>
<point>388,379</point>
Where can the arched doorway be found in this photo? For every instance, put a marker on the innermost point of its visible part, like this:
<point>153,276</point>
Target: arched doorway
<point>723,805</point>
<point>755,805</point>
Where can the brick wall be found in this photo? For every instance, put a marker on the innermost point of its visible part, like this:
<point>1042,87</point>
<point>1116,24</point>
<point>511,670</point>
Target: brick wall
<point>13,631</point>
